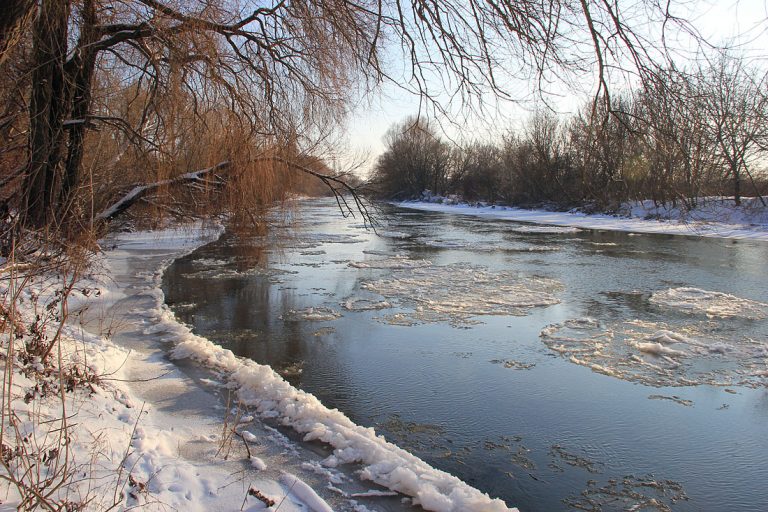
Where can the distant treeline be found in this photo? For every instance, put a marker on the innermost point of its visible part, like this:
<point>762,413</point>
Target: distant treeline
<point>685,136</point>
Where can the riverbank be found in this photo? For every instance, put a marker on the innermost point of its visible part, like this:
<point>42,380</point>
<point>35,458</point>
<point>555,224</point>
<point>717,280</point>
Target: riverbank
<point>499,351</point>
<point>141,431</point>
<point>715,217</point>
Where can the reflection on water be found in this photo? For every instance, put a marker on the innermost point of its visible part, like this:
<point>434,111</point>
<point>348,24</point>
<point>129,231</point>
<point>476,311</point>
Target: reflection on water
<point>558,369</point>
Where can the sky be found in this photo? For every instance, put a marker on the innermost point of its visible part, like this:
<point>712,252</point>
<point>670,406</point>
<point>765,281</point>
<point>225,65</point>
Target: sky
<point>718,22</point>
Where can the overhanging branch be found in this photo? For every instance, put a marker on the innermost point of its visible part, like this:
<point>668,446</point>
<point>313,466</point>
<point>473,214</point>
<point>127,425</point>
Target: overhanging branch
<point>140,191</point>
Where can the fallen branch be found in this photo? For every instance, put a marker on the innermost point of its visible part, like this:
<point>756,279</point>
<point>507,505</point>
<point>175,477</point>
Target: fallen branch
<point>336,183</point>
<point>139,191</point>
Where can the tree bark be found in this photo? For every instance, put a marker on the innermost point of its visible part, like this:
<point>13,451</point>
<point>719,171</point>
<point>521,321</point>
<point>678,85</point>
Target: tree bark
<point>48,105</point>
<point>80,69</point>
<point>12,16</point>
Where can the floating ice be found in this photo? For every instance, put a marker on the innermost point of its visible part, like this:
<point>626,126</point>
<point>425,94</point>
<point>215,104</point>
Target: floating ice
<point>457,293</point>
<point>712,304</point>
<point>544,229</point>
<point>658,349</point>
<point>319,314</point>
<point>360,304</point>
<point>447,244</point>
<point>630,493</point>
<point>218,272</point>
<point>393,234</point>
<point>396,262</point>
<point>209,262</point>
<point>376,252</point>
<point>674,398</point>
<point>653,354</point>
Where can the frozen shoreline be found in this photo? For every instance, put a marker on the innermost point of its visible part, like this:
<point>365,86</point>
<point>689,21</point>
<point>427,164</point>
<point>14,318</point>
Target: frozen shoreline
<point>717,219</point>
<point>159,424</point>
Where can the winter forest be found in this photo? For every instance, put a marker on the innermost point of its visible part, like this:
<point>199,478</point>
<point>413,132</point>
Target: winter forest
<point>209,300</point>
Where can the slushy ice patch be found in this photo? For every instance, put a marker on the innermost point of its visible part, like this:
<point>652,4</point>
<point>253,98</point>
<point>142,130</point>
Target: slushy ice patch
<point>711,304</point>
<point>654,354</point>
<point>456,293</point>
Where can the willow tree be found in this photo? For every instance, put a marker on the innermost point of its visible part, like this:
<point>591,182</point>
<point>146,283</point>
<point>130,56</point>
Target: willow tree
<point>284,69</point>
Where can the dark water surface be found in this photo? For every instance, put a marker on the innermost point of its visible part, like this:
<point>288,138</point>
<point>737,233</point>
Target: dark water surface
<point>597,425</point>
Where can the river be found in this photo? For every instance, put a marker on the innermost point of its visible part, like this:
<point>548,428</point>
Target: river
<point>555,368</point>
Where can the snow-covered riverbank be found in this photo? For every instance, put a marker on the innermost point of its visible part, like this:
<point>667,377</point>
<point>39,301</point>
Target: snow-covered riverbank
<point>716,218</point>
<point>153,433</point>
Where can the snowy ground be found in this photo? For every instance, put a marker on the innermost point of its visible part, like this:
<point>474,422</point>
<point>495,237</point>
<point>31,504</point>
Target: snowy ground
<point>157,434</point>
<point>715,217</point>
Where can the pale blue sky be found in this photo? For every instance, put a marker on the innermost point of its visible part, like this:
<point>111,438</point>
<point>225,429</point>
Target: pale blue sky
<point>718,21</point>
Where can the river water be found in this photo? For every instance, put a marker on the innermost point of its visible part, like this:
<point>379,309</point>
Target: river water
<point>555,368</point>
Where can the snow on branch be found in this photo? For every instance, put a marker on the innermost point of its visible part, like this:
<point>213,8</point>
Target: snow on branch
<point>336,183</point>
<point>139,191</point>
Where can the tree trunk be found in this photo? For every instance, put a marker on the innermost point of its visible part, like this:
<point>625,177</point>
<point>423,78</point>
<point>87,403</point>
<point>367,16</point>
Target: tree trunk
<point>12,16</point>
<point>48,105</point>
<point>80,69</point>
<point>736,187</point>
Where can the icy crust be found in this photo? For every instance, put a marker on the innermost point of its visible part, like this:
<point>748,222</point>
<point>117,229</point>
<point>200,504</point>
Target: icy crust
<point>494,246</point>
<point>261,387</point>
<point>544,230</point>
<point>457,293</point>
<point>319,314</point>
<point>653,354</point>
<point>361,304</point>
<point>396,262</point>
<point>712,304</point>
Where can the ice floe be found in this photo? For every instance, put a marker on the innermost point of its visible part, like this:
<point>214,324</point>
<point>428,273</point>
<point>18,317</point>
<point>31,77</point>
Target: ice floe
<point>654,354</point>
<point>458,293</point>
<point>360,304</point>
<point>544,229</point>
<point>395,262</point>
<point>316,314</point>
<point>712,304</point>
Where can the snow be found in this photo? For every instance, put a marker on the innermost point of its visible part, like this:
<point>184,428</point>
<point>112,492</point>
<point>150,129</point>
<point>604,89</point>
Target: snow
<point>135,423</point>
<point>658,349</point>
<point>305,493</point>
<point>457,293</point>
<point>397,262</point>
<point>384,463</point>
<point>258,463</point>
<point>655,354</point>
<point>715,217</point>
<point>710,303</point>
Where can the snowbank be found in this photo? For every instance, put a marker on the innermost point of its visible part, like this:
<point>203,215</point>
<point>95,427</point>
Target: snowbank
<point>106,445</point>
<point>132,450</point>
<point>716,217</point>
<point>384,463</point>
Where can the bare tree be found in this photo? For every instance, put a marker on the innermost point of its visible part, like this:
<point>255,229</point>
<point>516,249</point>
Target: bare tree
<point>735,103</point>
<point>477,172</point>
<point>286,69</point>
<point>415,160</point>
<point>679,156</point>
